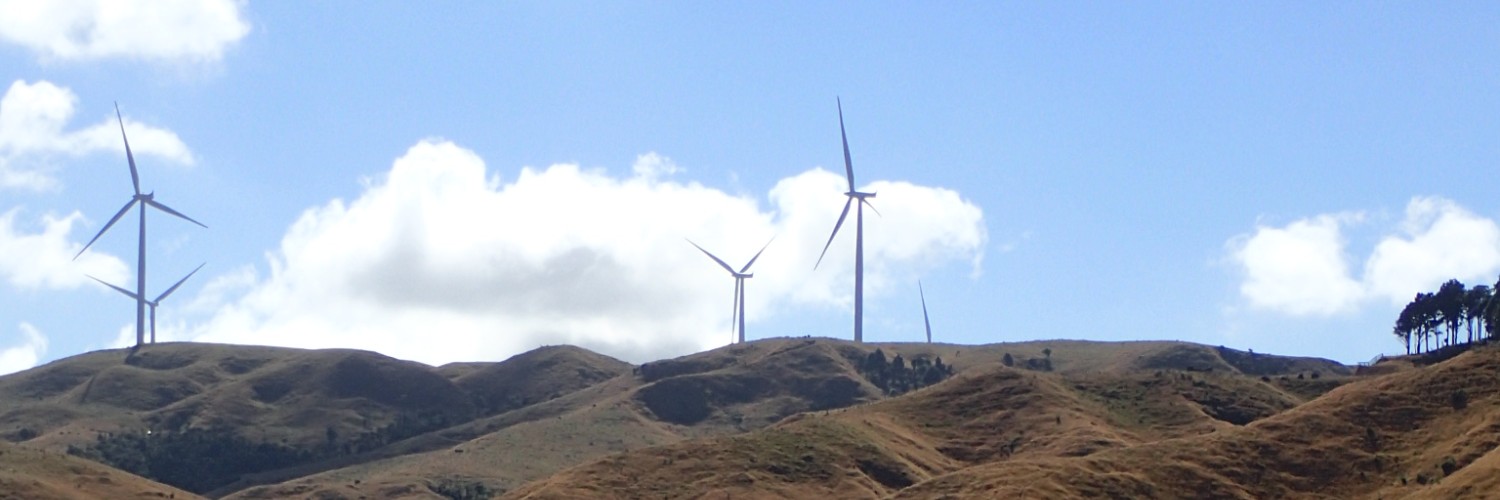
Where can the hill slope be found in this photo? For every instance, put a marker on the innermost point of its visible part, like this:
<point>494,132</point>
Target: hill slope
<point>1007,433</point>
<point>31,474</point>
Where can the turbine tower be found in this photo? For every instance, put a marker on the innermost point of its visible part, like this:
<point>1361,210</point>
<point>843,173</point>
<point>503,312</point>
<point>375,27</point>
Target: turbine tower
<point>159,298</point>
<point>859,233</point>
<point>739,287</point>
<point>144,200</point>
<point>925,322</point>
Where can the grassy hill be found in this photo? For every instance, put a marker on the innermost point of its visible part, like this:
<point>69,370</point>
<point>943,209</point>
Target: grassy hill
<point>797,416</point>
<point>1429,432</point>
<point>153,410</point>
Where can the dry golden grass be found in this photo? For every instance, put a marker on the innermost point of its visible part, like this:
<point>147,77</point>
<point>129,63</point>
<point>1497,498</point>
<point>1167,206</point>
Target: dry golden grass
<point>1004,433</point>
<point>32,474</point>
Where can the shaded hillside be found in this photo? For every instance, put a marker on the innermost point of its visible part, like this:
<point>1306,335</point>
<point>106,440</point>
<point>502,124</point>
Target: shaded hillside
<point>201,415</point>
<point>31,474</point>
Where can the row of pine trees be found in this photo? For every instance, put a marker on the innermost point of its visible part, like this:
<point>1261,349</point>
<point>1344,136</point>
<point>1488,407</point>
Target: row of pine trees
<point>1452,315</point>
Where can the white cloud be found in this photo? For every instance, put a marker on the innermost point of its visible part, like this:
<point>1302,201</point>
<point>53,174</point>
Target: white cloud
<point>1438,241</point>
<point>1300,269</point>
<point>439,262</point>
<point>160,30</point>
<point>44,260</point>
<point>1303,268</point>
<point>25,355</point>
<point>32,117</point>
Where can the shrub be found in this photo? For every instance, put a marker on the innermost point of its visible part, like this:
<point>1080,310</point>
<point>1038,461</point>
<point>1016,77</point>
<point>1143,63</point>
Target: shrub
<point>1459,399</point>
<point>456,489</point>
<point>1449,466</point>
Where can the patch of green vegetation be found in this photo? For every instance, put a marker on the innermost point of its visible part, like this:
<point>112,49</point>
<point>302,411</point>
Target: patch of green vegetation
<point>463,489</point>
<point>897,377</point>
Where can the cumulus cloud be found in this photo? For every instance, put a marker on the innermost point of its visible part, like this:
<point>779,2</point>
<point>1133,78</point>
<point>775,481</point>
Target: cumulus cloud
<point>32,135</point>
<point>1304,268</point>
<point>162,30</point>
<point>25,355</point>
<point>439,260</point>
<point>44,260</point>
<point>1299,269</point>
<point>1438,241</point>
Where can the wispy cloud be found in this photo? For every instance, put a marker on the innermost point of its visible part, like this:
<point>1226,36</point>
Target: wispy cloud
<point>32,135</point>
<point>44,259</point>
<point>160,30</point>
<point>439,261</point>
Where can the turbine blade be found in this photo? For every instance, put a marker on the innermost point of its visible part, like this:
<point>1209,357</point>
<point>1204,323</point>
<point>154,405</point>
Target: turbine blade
<point>127,293</point>
<point>848,163</point>
<point>835,232</point>
<point>169,210</point>
<point>179,283</point>
<point>925,321</point>
<point>711,256</point>
<point>135,178</point>
<point>106,227</point>
<point>743,270</point>
<point>871,205</point>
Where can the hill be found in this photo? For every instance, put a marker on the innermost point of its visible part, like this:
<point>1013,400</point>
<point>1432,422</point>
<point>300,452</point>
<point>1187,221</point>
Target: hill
<point>1428,432</point>
<point>32,474</point>
<point>156,410</point>
<point>723,392</point>
<point>345,424</point>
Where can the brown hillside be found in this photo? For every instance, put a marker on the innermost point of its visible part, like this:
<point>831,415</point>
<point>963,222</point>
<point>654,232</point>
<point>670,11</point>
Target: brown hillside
<point>291,396</point>
<point>727,390</point>
<point>324,403</point>
<point>984,415</point>
<point>31,474</point>
<point>1376,438</point>
<point>382,428</point>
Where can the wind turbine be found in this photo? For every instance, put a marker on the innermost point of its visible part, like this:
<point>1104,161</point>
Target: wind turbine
<point>144,200</point>
<point>159,298</point>
<point>859,234</point>
<point>739,286</point>
<point>925,322</point>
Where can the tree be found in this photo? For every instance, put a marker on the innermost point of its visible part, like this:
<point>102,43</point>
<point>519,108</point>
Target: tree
<point>1450,307</point>
<point>1474,304</point>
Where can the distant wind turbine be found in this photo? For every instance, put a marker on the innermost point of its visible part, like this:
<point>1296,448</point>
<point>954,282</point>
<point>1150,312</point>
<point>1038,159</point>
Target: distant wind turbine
<point>144,200</point>
<point>925,322</point>
<point>739,287</point>
<point>859,233</point>
<point>159,298</point>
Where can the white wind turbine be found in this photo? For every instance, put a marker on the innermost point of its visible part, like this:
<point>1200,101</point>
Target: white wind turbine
<point>144,199</point>
<point>859,233</point>
<point>739,287</point>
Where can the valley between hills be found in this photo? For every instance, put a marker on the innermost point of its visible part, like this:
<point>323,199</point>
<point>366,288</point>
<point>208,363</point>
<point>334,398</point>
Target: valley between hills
<point>774,418</point>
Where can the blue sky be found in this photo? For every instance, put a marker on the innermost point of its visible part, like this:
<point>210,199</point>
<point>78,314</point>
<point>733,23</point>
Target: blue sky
<point>466,182</point>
